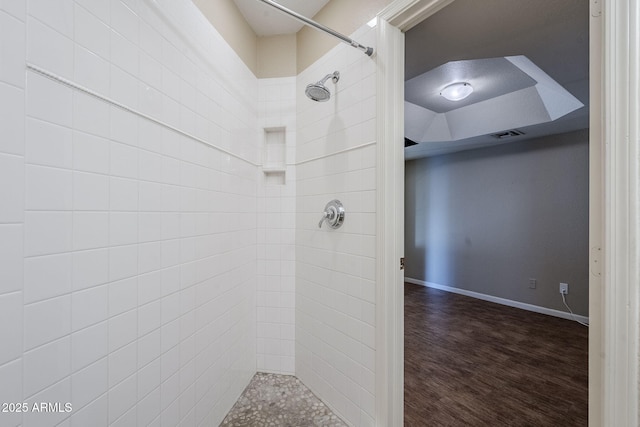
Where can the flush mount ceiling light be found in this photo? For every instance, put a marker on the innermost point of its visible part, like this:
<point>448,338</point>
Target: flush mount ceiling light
<point>457,91</point>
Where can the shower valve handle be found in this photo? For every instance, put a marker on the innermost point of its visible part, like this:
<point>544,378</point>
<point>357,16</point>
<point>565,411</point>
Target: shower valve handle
<point>327,215</point>
<point>333,214</point>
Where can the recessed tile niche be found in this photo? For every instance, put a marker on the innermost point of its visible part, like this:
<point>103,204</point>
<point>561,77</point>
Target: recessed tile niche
<point>274,156</point>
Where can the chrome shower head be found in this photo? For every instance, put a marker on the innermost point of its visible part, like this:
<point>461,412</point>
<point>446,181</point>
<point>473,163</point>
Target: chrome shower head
<point>318,91</point>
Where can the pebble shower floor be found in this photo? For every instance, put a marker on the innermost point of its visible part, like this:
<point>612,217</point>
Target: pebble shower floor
<point>279,400</point>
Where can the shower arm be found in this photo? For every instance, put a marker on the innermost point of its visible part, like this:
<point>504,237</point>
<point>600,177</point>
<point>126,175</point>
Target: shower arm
<point>333,76</point>
<point>367,50</point>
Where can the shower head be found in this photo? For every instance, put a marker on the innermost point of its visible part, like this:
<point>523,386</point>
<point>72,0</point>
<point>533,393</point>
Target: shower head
<point>318,91</point>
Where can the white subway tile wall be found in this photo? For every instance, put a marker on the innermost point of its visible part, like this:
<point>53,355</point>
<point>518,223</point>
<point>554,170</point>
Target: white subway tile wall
<point>128,250</point>
<point>12,202</point>
<point>335,269</point>
<point>275,296</point>
<point>148,269</point>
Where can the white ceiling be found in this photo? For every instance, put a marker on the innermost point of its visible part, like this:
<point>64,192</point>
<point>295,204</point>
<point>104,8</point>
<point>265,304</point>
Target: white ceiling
<point>489,78</point>
<point>268,21</point>
<point>510,93</point>
<point>553,34</point>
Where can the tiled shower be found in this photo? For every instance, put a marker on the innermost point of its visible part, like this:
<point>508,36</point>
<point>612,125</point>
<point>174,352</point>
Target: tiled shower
<point>151,260</point>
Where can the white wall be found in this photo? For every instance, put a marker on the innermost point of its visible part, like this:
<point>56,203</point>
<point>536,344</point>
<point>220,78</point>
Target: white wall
<point>147,267</point>
<point>12,150</point>
<point>275,295</point>
<point>335,269</point>
<point>128,251</point>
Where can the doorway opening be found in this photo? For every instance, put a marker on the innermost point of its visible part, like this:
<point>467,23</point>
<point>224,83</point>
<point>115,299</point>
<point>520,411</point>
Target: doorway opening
<point>497,207</point>
<point>614,304</point>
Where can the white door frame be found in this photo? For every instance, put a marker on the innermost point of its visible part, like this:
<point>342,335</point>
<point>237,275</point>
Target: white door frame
<point>621,136</point>
<point>613,213</point>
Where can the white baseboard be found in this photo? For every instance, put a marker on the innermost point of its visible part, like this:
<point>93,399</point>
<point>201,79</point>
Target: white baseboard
<point>497,300</point>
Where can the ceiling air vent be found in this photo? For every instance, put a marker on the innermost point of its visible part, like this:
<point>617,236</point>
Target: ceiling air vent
<point>409,143</point>
<point>507,134</point>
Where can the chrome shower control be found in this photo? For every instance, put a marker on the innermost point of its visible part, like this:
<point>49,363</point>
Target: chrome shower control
<point>333,214</point>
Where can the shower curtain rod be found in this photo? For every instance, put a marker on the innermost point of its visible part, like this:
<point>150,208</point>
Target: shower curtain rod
<point>367,50</point>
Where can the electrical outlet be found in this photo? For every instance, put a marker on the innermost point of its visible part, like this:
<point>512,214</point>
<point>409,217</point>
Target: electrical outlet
<point>564,288</point>
<point>533,283</point>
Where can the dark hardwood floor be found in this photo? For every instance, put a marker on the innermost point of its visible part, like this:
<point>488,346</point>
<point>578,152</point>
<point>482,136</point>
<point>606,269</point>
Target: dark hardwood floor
<point>474,363</point>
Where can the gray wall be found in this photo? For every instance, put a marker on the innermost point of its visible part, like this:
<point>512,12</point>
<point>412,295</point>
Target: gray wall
<point>487,220</point>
